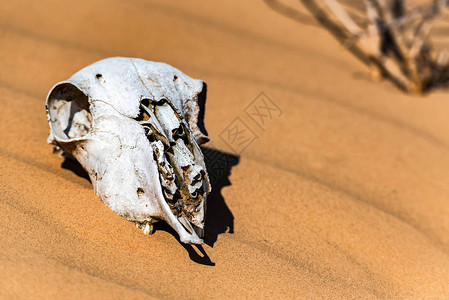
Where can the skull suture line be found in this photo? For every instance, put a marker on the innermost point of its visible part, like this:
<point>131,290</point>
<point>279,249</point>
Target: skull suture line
<point>135,127</point>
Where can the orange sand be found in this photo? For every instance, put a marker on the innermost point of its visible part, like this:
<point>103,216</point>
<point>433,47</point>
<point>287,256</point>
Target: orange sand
<point>345,195</point>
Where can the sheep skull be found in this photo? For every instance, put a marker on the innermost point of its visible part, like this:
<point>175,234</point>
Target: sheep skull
<point>135,126</point>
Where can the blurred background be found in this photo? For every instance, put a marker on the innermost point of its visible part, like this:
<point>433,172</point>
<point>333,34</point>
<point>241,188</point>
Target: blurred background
<point>337,185</point>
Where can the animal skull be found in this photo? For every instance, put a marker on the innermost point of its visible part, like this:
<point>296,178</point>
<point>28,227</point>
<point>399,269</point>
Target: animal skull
<point>135,127</point>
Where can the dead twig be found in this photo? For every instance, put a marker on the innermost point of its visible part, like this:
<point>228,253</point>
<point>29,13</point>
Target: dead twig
<point>393,42</point>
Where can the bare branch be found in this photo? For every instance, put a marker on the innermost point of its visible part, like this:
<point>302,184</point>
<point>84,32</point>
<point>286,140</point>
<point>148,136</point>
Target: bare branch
<point>425,26</point>
<point>343,17</point>
<point>373,28</point>
<point>394,42</point>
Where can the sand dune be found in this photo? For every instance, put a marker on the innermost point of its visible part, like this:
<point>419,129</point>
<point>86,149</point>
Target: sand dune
<point>342,195</point>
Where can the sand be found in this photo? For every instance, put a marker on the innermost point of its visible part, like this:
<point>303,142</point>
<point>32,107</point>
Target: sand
<point>341,194</point>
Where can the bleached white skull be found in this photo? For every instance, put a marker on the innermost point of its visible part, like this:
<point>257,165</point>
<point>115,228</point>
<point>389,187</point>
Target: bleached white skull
<point>135,127</point>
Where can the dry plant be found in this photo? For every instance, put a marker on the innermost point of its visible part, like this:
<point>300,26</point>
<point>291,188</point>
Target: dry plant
<point>393,40</point>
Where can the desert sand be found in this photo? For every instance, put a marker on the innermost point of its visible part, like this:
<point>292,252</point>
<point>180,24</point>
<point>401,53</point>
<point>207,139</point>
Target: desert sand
<point>342,192</point>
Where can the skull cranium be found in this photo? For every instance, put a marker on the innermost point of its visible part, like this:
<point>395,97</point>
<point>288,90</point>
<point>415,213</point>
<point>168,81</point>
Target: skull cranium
<point>135,127</point>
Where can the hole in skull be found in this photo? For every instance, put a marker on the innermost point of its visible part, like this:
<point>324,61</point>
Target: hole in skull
<point>169,150</point>
<point>168,195</point>
<point>199,192</point>
<point>197,177</point>
<point>178,133</point>
<point>69,112</point>
<point>145,102</point>
<point>140,191</point>
<point>143,115</point>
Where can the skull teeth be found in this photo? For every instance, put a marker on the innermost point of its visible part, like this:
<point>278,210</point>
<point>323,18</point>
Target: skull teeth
<point>146,227</point>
